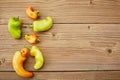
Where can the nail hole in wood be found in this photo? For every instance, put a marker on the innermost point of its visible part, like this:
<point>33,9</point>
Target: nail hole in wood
<point>88,27</point>
<point>109,51</point>
<point>53,34</point>
<point>91,2</point>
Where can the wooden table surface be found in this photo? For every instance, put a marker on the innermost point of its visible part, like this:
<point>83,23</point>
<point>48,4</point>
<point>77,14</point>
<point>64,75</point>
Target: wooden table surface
<point>84,43</point>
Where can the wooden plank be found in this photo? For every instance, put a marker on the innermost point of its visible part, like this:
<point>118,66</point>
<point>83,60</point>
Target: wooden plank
<point>94,75</point>
<point>68,47</point>
<point>64,11</point>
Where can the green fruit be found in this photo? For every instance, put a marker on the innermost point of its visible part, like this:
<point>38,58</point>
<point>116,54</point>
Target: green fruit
<point>39,59</point>
<point>42,25</point>
<point>14,27</point>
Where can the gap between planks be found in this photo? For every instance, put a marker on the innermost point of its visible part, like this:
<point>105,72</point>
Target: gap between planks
<point>94,75</point>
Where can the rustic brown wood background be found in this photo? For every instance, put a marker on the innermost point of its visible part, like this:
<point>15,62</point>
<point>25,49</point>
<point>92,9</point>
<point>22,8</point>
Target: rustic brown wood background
<point>84,43</point>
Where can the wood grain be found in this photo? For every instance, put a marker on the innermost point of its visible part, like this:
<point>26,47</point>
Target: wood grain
<point>68,47</point>
<point>93,75</point>
<point>84,41</point>
<point>64,11</point>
